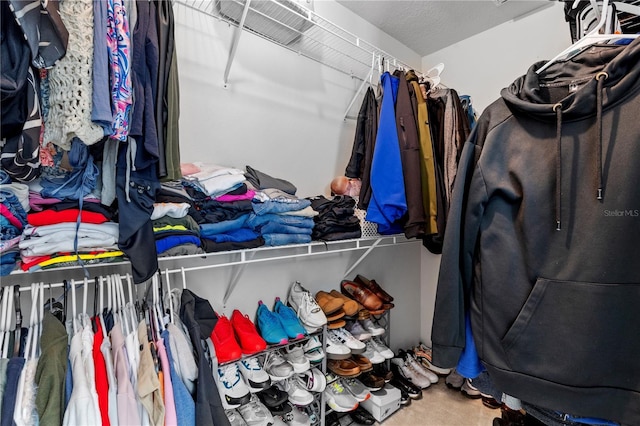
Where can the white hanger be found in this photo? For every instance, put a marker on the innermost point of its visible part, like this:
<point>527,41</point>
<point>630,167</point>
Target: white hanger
<point>591,38</point>
<point>132,307</point>
<point>101,307</point>
<point>433,74</point>
<point>184,278</point>
<point>73,307</point>
<point>628,8</point>
<point>3,319</point>
<point>169,294</point>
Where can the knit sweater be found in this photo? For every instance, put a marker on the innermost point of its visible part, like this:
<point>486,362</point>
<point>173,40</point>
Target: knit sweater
<point>71,85</point>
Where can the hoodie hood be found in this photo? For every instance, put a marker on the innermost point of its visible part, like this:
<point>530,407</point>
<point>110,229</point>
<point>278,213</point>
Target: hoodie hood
<point>576,89</point>
<point>573,84</point>
<point>198,311</point>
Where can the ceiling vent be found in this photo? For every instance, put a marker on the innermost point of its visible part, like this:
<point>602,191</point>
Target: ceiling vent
<point>282,21</point>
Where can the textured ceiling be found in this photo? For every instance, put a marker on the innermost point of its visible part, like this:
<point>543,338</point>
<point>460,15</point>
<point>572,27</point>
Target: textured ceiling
<point>428,26</point>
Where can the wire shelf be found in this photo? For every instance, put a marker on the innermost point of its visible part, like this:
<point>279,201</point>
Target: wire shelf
<point>303,31</point>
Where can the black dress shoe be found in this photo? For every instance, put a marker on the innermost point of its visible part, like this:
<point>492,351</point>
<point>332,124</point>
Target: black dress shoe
<point>403,384</point>
<point>362,416</point>
<point>273,397</point>
<point>404,398</point>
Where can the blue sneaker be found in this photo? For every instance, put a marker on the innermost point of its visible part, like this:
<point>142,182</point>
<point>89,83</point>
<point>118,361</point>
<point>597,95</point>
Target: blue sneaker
<point>270,327</point>
<point>289,320</point>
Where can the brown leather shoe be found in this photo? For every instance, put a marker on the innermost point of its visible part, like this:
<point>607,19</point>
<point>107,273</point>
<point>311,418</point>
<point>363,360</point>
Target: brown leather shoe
<point>361,294</point>
<point>336,315</point>
<point>374,287</point>
<point>344,367</point>
<point>372,381</point>
<point>328,303</point>
<point>350,307</point>
<point>332,325</point>
<point>363,362</point>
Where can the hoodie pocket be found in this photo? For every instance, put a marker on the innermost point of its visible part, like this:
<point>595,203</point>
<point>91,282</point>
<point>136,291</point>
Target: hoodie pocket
<point>578,334</point>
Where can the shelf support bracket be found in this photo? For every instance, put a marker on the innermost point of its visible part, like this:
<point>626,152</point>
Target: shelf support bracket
<point>362,257</point>
<point>234,42</point>
<point>238,270</point>
<point>364,82</point>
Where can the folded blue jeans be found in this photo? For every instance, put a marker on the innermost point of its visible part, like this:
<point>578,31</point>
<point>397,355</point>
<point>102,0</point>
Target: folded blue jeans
<point>209,229</point>
<point>281,228</point>
<point>14,205</point>
<point>275,206</point>
<point>284,239</point>
<point>255,221</point>
<point>238,236</point>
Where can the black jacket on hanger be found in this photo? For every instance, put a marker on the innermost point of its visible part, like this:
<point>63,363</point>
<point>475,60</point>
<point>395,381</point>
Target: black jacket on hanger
<point>362,153</point>
<point>199,318</point>
<point>542,239</point>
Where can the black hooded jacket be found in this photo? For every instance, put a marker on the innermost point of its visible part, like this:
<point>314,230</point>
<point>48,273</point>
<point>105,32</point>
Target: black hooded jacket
<point>542,239</point>
<point>199,318</point>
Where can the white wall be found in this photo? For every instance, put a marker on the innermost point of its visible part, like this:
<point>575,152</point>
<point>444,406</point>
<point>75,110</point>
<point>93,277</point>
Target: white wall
<point>481,66</point>
<point>283,114</point>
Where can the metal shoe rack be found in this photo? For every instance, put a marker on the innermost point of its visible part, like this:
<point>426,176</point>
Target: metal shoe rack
<point>301,30</point>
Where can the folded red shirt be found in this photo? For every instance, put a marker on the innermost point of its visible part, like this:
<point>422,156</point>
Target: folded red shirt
<point>51,217</point>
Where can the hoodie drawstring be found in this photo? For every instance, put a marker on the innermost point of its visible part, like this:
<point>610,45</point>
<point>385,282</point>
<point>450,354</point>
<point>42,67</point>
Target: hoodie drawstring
<point>600,78</point>
<point>558,109</point>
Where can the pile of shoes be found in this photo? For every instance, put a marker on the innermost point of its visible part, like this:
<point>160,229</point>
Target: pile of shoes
<point>273,387</point>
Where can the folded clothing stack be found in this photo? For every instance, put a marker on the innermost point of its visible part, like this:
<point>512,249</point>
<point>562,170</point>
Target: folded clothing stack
<point>66,242</point>
<point>13,219</point>
<point>281,218</point>
<point>335,220</point>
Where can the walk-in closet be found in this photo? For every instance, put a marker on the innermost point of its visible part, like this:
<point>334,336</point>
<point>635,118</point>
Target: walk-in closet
<point>319,212</point>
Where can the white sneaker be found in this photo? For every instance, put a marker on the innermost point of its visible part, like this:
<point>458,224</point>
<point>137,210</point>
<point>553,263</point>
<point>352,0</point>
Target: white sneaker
<point>368,325</point>
<point>254,375</point>
<point>338,398</point>
<point>335,349</point>
<point>420,369</point>
<point>294,354</point>
<point>305,305</point>
<point>255,413</point>
<point>313,350</point>
<point>381,348</point>
<point>235,419</point>
<point>410,374</point>
<point>454,380</point>
<point>314,380</point>
<point>298,395</point>
<point>374,356</point>
<point>356,346</point>
<point>424,354</point>
<point>277,367</point>
<point>299,418</point>
<point>233,391</point>
<point>356,330</point>
<point>311,344</point>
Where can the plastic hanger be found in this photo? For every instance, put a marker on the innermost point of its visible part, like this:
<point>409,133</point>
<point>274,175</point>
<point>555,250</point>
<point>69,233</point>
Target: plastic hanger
<point>588,40</point>
<point>3,320</point>
<point>18,327</point>
<point>433,74</point>
<point>73,308</point>
<point>169,294</point>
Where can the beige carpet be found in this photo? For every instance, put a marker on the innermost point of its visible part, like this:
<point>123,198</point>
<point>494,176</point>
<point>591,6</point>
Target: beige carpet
<point>441,406</point>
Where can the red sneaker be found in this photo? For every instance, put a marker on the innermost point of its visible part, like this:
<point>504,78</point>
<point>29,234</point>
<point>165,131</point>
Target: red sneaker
<point>247,335</point>
<point>224,341</point>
